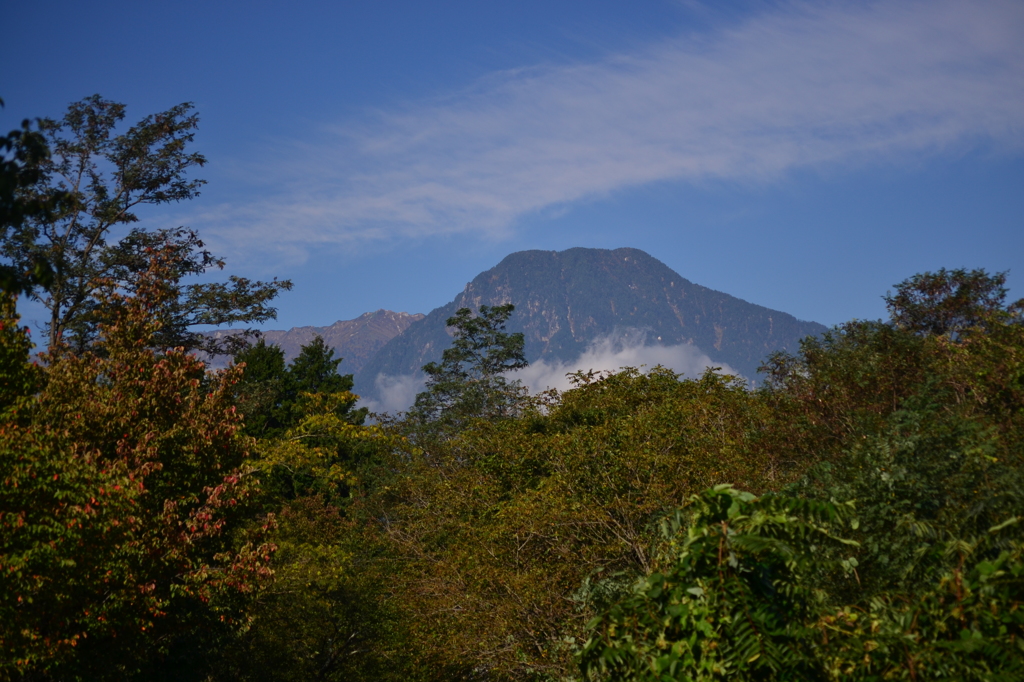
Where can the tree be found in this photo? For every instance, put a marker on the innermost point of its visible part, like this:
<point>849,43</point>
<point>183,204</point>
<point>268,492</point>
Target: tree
<point>18,378</point>
<point>738,595</point>
<point>304,417</point>
<point>274,397</point>
<point>125,521</point>
<point>22,151</point>
<point>732,599</point>
<point>261,393</point>
<point>315,370</point>
<point>315,386</point>
<point>105,177</point>
<point>948,301</point>
<point>241,300</point>
<point>323,617</point>
<point>470,380</point>
<point>491,531</point>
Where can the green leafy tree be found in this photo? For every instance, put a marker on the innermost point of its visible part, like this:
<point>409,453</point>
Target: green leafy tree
<point>262,391</point>
<point>125,509</point>
<point>323,438</point>
<point>489,533</point>
<point>741,594</point>
<point>947,301</point>
<point>923,429</point>
<point>275,397</point>
<point>103,178</point>
<point>22,153</point>
<point>469,382</point>
<point>314,371</point>
<point>18,378</point>
<point>732,598</point>
<point>920,421</point>
<point>325,616</point>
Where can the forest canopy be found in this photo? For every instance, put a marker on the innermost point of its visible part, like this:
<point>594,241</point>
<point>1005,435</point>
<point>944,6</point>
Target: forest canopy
<point>856,516</point>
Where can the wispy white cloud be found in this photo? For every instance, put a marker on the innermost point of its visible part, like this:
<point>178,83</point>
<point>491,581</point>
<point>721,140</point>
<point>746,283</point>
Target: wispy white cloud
<point>807,85</point>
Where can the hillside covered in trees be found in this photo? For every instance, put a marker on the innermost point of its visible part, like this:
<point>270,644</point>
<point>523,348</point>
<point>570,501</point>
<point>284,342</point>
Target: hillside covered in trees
<point>855,517</point>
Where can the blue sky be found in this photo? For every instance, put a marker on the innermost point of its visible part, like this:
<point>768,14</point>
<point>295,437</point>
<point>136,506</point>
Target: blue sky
<point>801,155</point>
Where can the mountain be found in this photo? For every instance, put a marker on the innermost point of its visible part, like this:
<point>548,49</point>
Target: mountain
<point>354,340</point>
<point>566,300</point>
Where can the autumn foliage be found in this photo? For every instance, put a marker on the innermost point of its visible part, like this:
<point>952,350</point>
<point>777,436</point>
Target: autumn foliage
<point>857,516</point>
<point>124,489</point>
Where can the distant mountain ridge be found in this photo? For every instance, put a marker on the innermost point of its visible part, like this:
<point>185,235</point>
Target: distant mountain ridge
<point>356,341</point>
<point>565,300</point>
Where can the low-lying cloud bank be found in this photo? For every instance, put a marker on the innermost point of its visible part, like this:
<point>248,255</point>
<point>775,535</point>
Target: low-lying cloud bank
<point>394,393</point>
<point>609,353</point>
<point>613,353</point>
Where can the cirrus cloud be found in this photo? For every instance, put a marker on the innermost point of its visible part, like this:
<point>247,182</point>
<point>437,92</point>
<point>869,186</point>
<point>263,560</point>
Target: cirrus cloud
<point>807,85</point>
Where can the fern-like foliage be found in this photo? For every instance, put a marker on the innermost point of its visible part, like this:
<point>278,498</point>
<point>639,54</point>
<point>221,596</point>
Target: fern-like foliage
<point>733,598</point>
<point>741,594</point>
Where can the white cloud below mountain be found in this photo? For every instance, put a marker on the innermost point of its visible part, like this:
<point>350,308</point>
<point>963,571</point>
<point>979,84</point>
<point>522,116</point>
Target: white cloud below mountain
<point>609,353</point>
<point>616,352</point>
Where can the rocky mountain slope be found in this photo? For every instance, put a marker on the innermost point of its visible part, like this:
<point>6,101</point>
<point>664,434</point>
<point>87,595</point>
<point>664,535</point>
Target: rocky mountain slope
<point>565,300</point>
<point>356,341</point>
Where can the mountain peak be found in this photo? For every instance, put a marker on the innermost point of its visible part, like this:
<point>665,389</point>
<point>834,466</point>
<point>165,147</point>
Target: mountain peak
<point>566,300</point>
